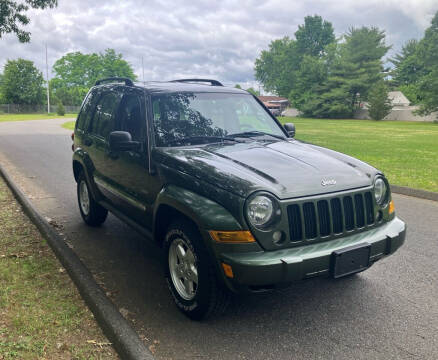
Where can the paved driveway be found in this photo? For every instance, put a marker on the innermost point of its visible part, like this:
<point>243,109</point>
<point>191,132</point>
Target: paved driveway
<point>387,312</point>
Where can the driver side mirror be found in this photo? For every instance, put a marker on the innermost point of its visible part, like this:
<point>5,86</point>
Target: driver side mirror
<point>290,129</point>
<point>122,141</point>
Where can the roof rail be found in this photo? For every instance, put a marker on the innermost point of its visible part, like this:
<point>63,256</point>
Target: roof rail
<point>212,82</point>
<point>127,81</point>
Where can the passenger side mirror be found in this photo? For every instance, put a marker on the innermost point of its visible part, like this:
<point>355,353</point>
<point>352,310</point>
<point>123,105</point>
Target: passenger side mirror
<point>290,129</point>
<point>122,141</point>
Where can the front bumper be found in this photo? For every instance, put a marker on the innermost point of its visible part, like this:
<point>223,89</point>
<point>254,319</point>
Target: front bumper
<point>269,268</point>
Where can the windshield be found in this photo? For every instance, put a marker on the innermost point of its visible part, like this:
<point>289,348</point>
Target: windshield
<point>209,116</point>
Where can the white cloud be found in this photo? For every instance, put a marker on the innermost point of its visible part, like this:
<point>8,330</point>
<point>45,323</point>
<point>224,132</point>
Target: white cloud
<point>201,37</point>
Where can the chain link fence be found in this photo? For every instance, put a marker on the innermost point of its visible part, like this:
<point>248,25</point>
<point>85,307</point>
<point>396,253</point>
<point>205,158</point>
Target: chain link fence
<point>35,109</point>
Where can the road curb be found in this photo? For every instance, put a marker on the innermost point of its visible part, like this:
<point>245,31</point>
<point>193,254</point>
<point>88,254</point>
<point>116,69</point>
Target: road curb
<point>119,332</point>
<point>423,194</point>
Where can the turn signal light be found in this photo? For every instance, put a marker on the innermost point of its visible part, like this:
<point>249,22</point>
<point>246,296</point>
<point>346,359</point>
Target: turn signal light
<point>232,237</point>
<point>391,207</point>
<point>228,270</point>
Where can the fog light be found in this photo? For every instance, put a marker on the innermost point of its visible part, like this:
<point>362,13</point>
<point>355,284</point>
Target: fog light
<point>379,215</point>
<point>277,237</point>
<point>228,270</point>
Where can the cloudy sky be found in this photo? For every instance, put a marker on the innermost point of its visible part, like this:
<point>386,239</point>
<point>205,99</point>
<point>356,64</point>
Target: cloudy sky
<point>202,38</point>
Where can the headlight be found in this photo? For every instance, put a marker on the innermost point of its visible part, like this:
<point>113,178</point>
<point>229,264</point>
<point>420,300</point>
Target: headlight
<point>380,191</point>
<point>260,210</point>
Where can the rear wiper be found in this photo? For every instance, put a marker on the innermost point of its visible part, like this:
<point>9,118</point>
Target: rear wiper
<point>255,133</point>
<point>201,139</point>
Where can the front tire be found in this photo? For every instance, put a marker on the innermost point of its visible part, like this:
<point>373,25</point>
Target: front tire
<point>92,213</point>
<point>190,274</point>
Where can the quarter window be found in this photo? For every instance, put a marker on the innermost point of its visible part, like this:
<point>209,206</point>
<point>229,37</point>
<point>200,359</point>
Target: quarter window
<point>86,112</point>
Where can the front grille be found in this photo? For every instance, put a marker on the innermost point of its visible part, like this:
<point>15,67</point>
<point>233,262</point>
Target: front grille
<point>323,218</point>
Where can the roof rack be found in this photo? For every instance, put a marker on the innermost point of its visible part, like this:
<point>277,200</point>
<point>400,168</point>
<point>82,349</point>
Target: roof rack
<point>127,81</point>
<point>212,82</point>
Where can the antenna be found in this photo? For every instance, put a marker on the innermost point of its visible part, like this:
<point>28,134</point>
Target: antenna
<point>47,79</point>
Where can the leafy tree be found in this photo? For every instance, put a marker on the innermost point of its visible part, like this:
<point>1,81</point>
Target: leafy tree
<point>237,86</point>
<point>75,73</point>
<point>278,68</point>
<point>379,105</point>
<point>335,84</point>
<point>22,83</point>
<point>411,92</point>
<point>1,88</point>
<point>427,52</point>
<point>314,36</point>
<point>113,64</point>
<point>60,109</point>
<point>253,91</point>
<point>13,16</point>
<point>408,68</point>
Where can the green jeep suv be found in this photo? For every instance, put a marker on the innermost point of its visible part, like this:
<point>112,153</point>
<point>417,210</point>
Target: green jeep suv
<point>236,203</point>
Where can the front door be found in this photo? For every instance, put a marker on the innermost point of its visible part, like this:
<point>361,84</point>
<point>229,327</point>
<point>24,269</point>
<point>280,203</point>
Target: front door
<point>130,176</point>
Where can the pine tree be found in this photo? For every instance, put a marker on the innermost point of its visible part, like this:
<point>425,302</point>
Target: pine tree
<point>379,105</point>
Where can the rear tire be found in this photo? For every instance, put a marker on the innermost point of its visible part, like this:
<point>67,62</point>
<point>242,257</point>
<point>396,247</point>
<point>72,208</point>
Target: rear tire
<point>190,274</point>
<point>92,213</point>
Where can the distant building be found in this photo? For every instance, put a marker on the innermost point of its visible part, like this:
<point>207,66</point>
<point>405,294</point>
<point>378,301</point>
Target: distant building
<point>274,102</point>
<point>401,110</point>
<point>398,98</point>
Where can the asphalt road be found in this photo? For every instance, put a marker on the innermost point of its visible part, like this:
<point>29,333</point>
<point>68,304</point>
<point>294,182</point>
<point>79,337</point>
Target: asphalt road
<point>388,312</point>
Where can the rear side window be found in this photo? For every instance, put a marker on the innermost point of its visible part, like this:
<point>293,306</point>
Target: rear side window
<point>87,110</point>
<point>131,118</point>
<point>104,114</point>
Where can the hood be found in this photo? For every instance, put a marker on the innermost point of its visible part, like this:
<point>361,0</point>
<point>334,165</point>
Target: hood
<point>287,169</point>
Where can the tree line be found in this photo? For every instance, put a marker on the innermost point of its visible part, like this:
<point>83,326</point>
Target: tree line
<point>328,77</point>
<point>74,74</point>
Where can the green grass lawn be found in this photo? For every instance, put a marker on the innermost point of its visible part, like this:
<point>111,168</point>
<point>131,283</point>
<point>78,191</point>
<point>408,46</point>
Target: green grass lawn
<point>69,125</point>
<point>23,117</point>
<point>407,152</point>
<point>42,315</point>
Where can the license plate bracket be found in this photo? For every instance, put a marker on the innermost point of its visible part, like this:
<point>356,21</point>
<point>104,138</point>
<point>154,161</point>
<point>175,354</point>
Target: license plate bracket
<point>350,260</point>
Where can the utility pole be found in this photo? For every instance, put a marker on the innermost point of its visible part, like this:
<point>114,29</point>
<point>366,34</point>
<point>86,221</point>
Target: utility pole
<point>142,66</point>
<point>47,79</point>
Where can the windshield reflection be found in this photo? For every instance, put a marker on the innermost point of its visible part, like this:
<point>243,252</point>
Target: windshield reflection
<point>208,117</point>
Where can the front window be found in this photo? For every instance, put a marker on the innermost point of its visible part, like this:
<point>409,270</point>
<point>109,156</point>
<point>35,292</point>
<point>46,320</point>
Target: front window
<point>209,117</point>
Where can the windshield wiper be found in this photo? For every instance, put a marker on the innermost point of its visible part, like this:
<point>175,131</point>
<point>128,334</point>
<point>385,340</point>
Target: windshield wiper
<point>255,133</point>
<point>205,139</point>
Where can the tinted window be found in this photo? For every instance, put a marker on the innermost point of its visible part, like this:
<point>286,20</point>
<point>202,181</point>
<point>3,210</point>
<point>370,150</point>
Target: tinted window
<point>130,115</point>
<point>187,115</point>
<point>87,110</point>
<point>104,114</point>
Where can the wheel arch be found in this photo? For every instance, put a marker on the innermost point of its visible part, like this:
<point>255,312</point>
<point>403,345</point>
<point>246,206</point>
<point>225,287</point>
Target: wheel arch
<point>174,201</point>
